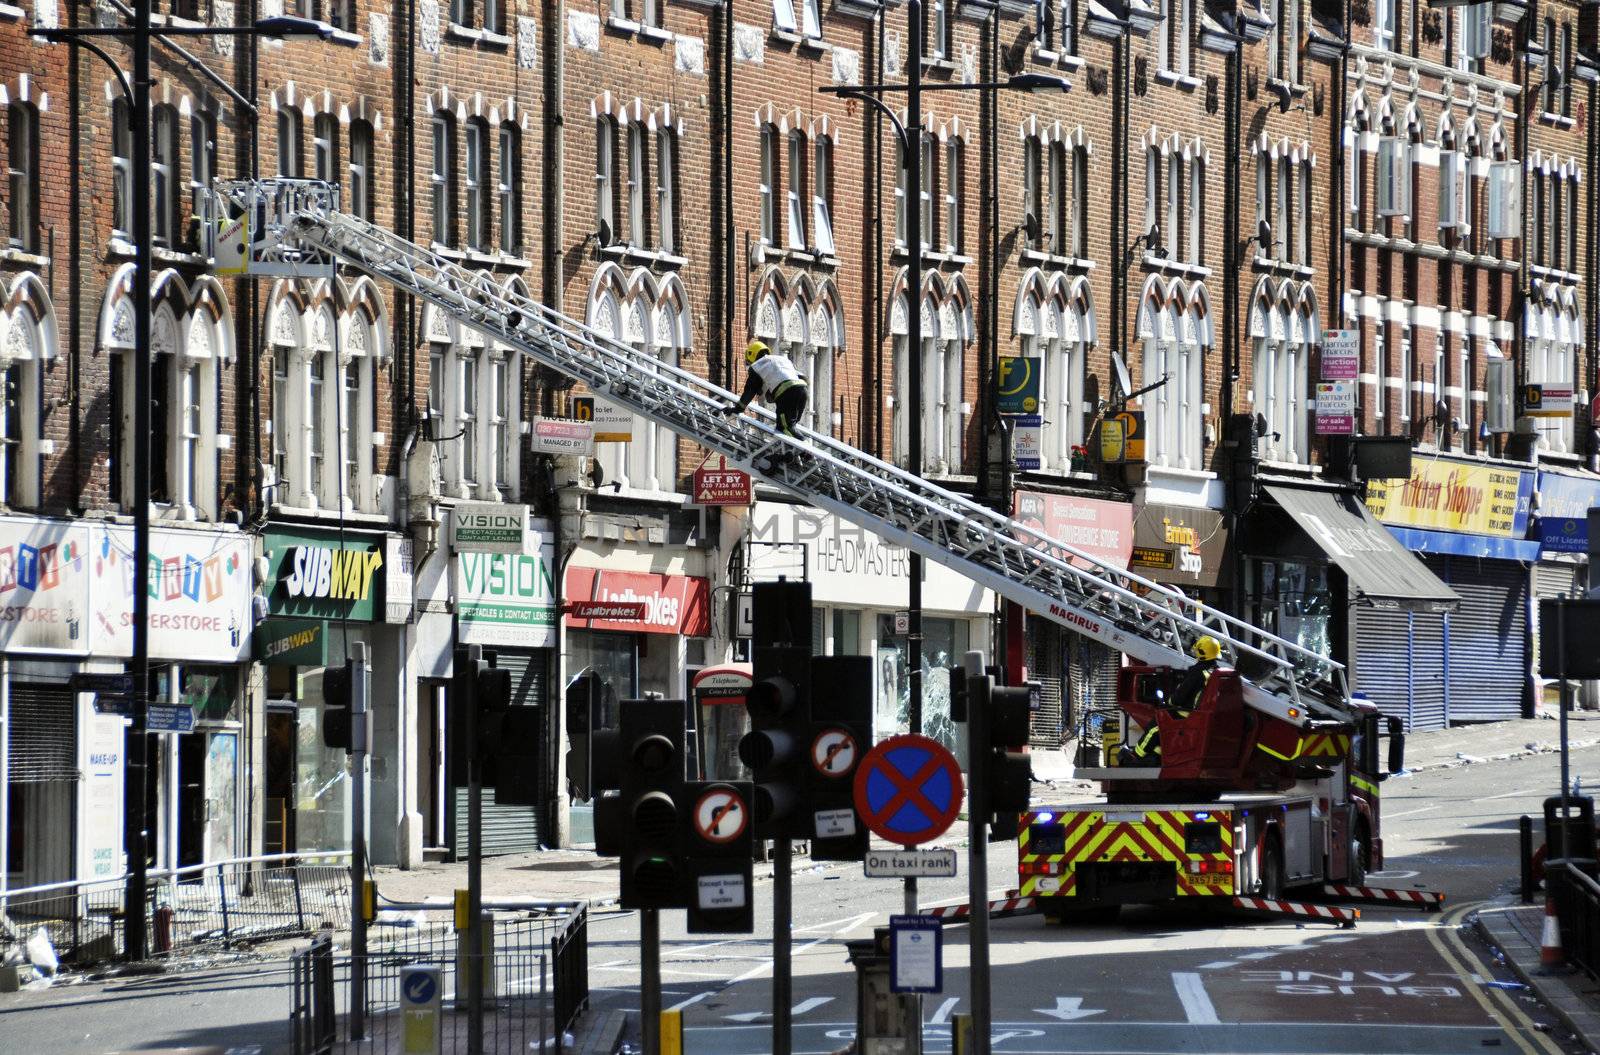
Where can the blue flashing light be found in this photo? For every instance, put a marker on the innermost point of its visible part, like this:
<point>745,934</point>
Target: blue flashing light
<point>1043,818</point>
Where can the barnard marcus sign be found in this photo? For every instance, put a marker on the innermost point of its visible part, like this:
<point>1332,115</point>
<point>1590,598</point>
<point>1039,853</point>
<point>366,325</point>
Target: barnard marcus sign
<point>509,599</point>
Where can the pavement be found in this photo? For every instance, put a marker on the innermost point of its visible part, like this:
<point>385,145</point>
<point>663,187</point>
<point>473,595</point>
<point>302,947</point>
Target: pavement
<point>1516,932</point>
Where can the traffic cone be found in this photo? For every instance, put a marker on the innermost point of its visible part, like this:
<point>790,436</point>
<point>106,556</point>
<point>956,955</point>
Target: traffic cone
<point>1550,952</point>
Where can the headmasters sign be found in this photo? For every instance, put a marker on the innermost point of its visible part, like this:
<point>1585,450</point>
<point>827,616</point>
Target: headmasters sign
<point>509,598</point>
<point>849,565</point>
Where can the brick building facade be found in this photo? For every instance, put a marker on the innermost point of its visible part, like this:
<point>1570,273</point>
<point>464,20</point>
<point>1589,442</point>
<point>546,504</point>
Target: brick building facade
<point>1171,238</point>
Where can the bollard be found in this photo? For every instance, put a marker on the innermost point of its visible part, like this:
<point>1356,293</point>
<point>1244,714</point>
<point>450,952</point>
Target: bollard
<point>961,1034</point>
<point>672,1033</point>
<point>1525,856</point>
<point>162,919</point>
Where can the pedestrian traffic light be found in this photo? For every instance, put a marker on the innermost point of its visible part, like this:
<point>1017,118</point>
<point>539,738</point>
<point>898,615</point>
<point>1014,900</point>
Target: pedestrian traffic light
<point>719,844</point>
<point>1007,774</point>
<point>338,707</point>
<point>779,704</point>
<point>647,813</point>
<point>841,733</point>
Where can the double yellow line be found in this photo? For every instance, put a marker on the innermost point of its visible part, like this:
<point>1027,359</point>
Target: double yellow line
<point>1496,1003</point>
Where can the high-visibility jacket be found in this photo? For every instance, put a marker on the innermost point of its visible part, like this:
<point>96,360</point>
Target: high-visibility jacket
<point>776,373</point>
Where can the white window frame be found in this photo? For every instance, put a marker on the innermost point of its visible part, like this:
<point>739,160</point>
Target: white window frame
<point>164,157</point>
<point>122,168</point>
<point>953,171</point>
<point>638,175</point>
<point>1394,177</point>
<point>605,172</point>
<point>794,189</point>
<point>442,178</point>
<point>769,185</point>
<point>1032,194</point>
<point>1380,369</point>
<point>362,159</point>
<point>508,188</point>
<point>666,189</point>
<point>1385,24</point>
<point>1405,371</point>
<point>1504,219</point>
<point>822,194</point>
<point>1451,174</point>
<point>811,19</point>
<point>783,16</point>
<point>926,197</point>
<point>1197,209</point>
<point>475,180</point>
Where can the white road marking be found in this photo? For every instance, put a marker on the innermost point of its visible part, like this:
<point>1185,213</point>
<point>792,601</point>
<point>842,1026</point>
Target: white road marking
<point>942,1016</point>
<point>1068,1009</point>
<point>1409,813</point>
<point>1259,955</point>
<point>1508,795</point>
<point>809,1004</point>
<point>1196,1003</point>
<point>1217,965</point>
<point>695,999</point>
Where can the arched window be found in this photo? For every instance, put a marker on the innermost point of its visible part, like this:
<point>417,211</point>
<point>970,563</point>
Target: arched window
<point>22,175</point>
<point>27,354</point>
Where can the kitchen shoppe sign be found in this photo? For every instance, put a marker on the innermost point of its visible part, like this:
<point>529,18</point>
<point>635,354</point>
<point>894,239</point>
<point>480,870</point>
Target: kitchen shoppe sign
<point>673,604</point>
<point>1453,496</point>
<point>508,598</point>
<point>314,576</point>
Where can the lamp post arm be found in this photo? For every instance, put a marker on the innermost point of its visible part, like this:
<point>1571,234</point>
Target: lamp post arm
<point>80,35</point>
<point>879,105</point>
<point>99,52</point>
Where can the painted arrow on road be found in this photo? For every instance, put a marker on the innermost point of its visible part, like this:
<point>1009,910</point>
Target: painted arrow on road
<point>810,1004</point>
<point>1067,1009</point>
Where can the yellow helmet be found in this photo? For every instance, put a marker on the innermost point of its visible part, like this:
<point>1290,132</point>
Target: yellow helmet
<point>755,350</point>
<point>1207,648</point>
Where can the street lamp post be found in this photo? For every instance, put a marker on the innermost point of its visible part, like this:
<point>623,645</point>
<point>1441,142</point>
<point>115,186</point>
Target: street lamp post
<point>911,140</point>
<point>139,35</point>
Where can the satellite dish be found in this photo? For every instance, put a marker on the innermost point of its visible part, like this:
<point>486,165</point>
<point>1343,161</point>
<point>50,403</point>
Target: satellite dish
<point>605,233</point>
<point>1124,382</point>
<point>1264,235</point>
<point>1030,226</point>
<point>1285,95</point>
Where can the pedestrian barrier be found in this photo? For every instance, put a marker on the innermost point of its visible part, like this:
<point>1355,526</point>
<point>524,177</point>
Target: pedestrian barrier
<point>1576,898</point>
<point>228,902</point>
<point>536,980</point>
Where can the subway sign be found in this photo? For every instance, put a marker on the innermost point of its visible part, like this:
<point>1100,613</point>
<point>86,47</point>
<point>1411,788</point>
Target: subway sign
<point>317,576</point>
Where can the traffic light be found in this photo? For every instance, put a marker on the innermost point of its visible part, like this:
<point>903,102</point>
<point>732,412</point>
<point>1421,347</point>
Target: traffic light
<point>463,701</point>
<point>1006,772</point>
<point>583,718</point>
<point>958,693</point>
<point>719,844</point>
<point>645,824</point>
<point>841,733</point>
<point>779,704</point>
<point>338,710</point>
<point>510,737</point>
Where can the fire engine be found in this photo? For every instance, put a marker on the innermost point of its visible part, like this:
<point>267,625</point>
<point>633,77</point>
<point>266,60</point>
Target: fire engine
<point>1242,808</point>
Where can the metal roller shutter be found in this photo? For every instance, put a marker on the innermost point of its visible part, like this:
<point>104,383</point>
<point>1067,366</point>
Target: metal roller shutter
<point>511,829</point>
<point>1488,634</point>
<point>1047,666</point>
<point>1551,581</point>
<point>44,737</point>
<point>1389,671</point>
<point>1427,671</point>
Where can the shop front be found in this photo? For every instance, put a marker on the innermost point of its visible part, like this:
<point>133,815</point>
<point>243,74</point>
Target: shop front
<point>1320,571</point>
<point>1468,523</point>
<point>325,591</point>
<point>860,590</point>
<point>505,602</point>
<point>1562,531</point>
<point>66,600</point>
<point>1077,675</point>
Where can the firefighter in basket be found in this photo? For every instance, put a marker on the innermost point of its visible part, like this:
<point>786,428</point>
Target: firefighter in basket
<point>775,378</point>
<point>1185,698</point>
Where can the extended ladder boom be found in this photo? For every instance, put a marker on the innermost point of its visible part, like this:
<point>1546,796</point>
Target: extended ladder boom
<point>294,223</point>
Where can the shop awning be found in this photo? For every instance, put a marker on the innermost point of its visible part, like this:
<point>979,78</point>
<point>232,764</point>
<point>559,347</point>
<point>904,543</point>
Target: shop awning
<point>1382,572</point>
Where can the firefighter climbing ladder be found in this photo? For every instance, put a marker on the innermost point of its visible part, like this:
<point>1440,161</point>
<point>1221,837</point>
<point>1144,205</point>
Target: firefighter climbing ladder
<point>294,227</point>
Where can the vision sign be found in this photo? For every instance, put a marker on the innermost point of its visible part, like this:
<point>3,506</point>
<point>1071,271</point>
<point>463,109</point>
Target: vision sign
<point>482,528</point>
<point>508,599</point>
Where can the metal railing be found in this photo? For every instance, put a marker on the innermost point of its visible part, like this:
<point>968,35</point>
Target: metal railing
<point>1577,898</point>
<point>239,900</point>
<point>535,975</point>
